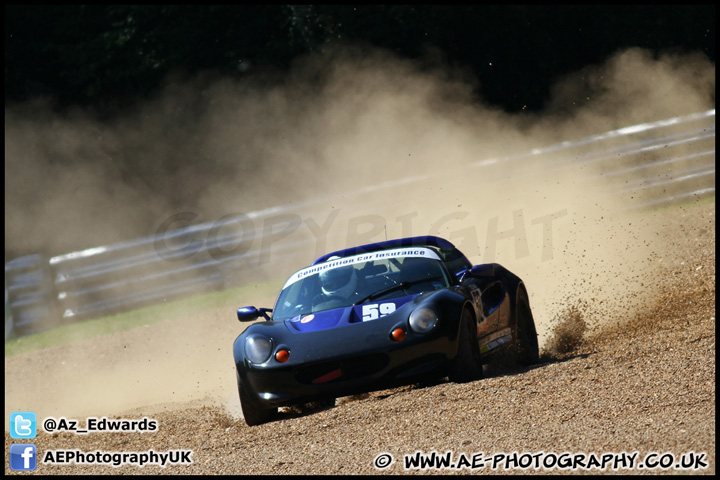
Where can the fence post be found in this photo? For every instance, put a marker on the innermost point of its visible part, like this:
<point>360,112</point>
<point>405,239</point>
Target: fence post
<point>30,299</point>
<point>8,317</point>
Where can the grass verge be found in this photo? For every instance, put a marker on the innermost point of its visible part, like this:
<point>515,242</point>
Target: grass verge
<point>230,299</point>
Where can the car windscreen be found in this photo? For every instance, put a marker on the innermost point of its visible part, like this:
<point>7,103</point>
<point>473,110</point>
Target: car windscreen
<point>343,282</point>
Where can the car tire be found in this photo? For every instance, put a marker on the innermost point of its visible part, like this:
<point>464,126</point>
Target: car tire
<point>526,340</point>
<point>253,412</point>
<point>467,365</point>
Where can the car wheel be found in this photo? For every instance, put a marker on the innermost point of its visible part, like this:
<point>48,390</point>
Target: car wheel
<point>526,340</point>
<point>467,365</point>
<point>253,411</point>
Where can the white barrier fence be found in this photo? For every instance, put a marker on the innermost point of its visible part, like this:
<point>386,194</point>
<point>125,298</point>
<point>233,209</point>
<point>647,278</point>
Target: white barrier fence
<point>42,293</point>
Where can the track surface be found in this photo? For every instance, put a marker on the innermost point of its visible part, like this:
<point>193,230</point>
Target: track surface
<point>642,383</point>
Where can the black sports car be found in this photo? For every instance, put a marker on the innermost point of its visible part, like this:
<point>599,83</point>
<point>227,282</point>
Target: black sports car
<point>380,315</point>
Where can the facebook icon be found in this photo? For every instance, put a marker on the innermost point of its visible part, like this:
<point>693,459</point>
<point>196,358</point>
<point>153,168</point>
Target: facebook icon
<point>23,456</point>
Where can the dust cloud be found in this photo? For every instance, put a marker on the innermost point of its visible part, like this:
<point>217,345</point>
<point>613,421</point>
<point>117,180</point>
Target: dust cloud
<point>377,147</point>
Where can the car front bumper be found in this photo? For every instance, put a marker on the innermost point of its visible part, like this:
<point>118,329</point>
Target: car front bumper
<point>351,360</point>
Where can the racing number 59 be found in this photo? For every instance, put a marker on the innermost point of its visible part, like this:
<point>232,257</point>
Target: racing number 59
<point>374,311</point>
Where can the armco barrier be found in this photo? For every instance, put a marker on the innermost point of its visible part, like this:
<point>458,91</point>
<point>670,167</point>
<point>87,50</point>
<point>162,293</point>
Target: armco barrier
<point>665,162</point>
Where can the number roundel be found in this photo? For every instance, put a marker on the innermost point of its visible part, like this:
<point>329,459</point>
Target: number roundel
<point>373,311</point>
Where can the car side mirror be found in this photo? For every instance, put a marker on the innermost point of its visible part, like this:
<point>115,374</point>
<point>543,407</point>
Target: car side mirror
<point>486,270</point>
<point>248,314</point>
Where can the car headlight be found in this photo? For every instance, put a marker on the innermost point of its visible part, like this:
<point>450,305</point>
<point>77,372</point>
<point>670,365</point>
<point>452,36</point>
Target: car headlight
<point>258,348</point>
<point>423,319</point>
